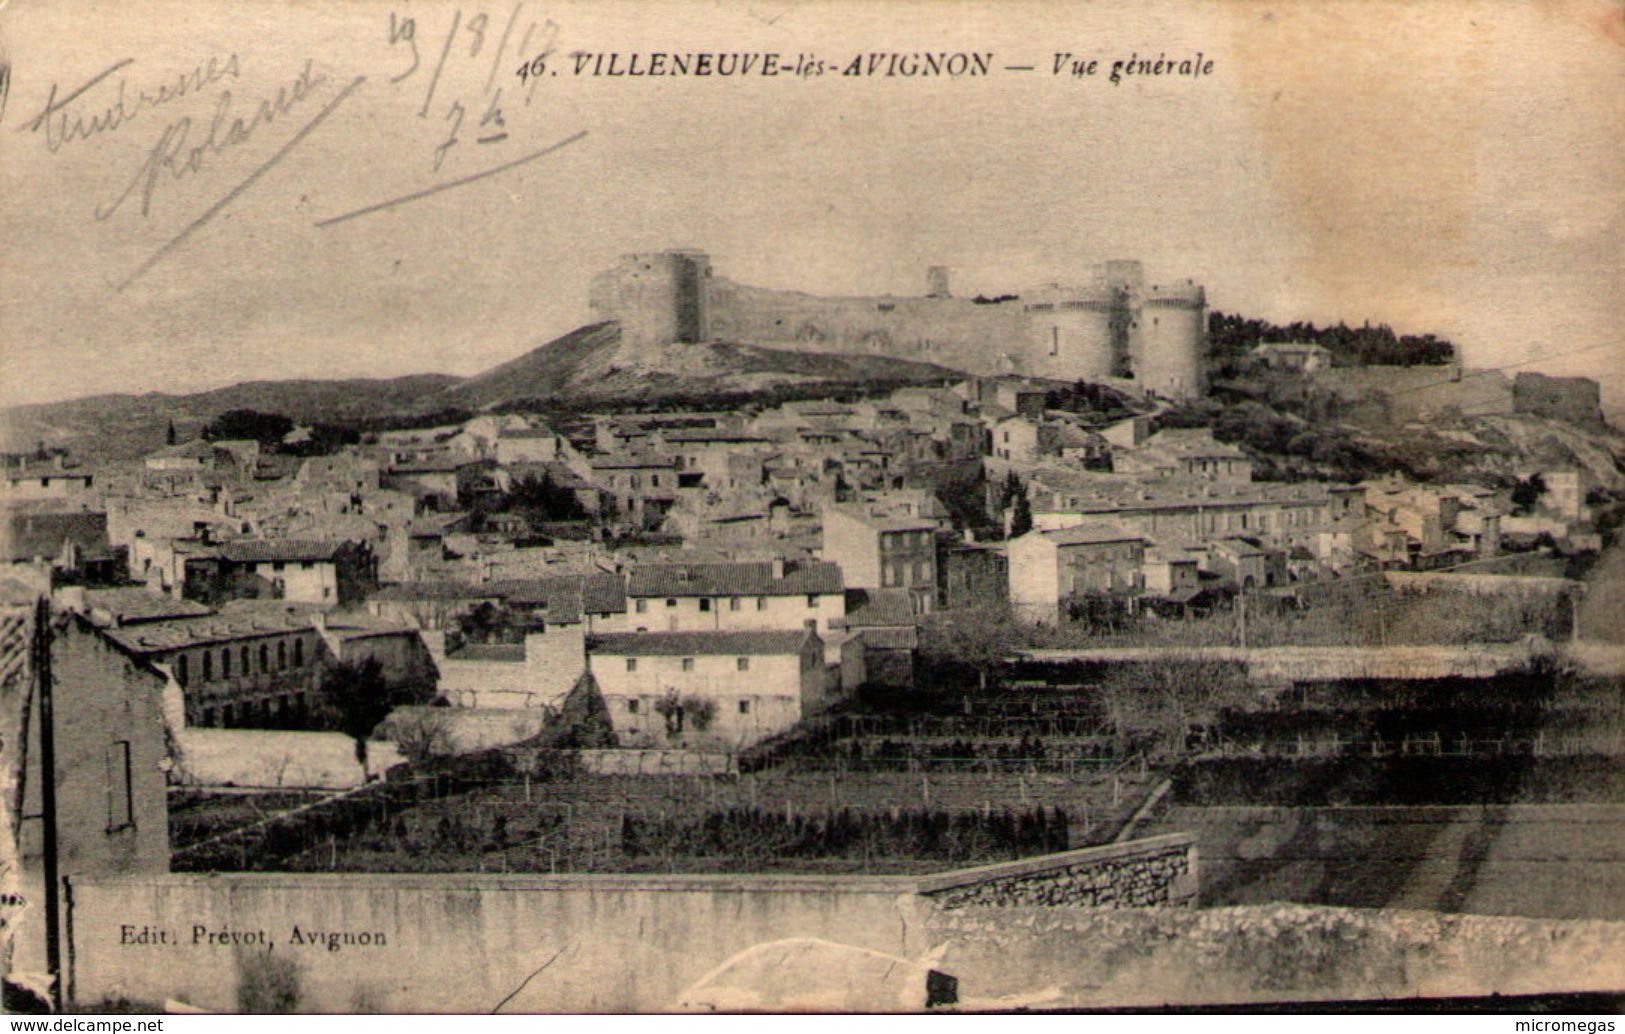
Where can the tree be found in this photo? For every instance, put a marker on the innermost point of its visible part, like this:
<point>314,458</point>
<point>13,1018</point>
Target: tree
<point>1527,492</point>
<point>265,428</point>
<point>421,734</point>
<point>1160,705</point>
<point>979,637</point>
<point>353,699</point>
<point>584,721</point>
<point>1021,515</point>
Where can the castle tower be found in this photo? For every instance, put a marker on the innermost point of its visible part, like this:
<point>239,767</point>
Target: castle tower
<point>659,298</point>
<point>936,282</point>
<point>1072,334</point>
<point>1168,339</point>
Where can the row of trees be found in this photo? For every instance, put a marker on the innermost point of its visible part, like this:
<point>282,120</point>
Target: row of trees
<point>1231,337</point>
<point>759,834</point>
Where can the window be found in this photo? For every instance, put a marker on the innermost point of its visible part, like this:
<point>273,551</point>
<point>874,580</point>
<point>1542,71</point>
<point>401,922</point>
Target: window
<point>298,652</point>
<point>225,663</point>
<point>705,605</point>
<point>208,666</point>
<point>688,664</point>
<point>631,664</point>
<point>120,799</point>
<point>742,664</point>
<point>812,601</point>
<point>245,659</point>
<point>1055,341</point>
<point>643,606</point>
<point>279,565</point>
<point>305,565</point>
<point>327,592</point>
<point>631,706</point>
<point>733,604</point>
<point>671,603</point>
<point>180,669</point>
<point>761,603</point>
<point>744,707</point>
<point>281,654</point>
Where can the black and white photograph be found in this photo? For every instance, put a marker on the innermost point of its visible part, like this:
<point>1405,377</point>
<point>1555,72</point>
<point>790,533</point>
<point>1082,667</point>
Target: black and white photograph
<point>812,506</point>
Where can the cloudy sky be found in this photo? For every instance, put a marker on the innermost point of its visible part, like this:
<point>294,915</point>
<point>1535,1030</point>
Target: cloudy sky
<point>1441,166</point>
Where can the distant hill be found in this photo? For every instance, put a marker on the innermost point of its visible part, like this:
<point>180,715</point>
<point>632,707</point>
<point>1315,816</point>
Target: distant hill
<point>594,363</point>
<point>590,365</point>
<point>106,427</point>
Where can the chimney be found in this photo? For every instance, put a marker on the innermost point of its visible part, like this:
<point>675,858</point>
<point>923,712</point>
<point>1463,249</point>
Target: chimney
<point>778,568</point>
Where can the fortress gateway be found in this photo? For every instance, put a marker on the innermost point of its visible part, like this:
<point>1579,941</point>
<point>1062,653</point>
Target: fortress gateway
<point>1113,328</point>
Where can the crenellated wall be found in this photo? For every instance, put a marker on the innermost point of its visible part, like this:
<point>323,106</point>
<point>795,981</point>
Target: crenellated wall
<point>1112,326</point>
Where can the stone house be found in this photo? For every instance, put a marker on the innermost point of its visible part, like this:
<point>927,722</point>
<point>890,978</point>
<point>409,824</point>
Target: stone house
<point>723,690</point>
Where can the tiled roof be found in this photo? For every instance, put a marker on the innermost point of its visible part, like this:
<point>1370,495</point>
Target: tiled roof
<point>631,462</point>
<point>430,465</point>
<point>1091,532</point>
<point>260,550</point>
<point>524,432</point>
<point>890,638</point>
<point>160,636</point>
<point>868,608</point>
<point>801,578</point>
<point>426,590</point>
<point>508,653</point>
<point>1193,442</point>
<point>133,605</point>
<point>594,593</point>
<point>702,436</point>
<point>884,521</point>
<point>571,594</point>
<point>686,644</point>
<point>27,534</point>
<point>561,475</point>
<point>195,449</point>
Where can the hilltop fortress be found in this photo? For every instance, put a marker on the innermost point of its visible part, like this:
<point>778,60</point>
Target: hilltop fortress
<point>1111,328</point>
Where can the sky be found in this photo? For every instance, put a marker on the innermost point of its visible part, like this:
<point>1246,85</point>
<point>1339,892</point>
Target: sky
<point>1446,166</point>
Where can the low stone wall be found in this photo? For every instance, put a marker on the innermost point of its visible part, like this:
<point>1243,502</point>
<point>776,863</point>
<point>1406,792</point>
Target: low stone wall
<point>470,942</point>
<point>658,762</point>
<point>1137,874</point>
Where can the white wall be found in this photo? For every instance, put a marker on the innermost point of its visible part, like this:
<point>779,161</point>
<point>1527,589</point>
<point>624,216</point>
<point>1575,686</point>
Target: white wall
<point>773,688</point>
<point>773,613</point>
<point>304,581</point>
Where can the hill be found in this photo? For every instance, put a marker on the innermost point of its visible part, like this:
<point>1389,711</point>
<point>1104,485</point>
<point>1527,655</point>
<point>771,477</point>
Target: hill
<point>588,366</point>
<point>110,427</point>
<point>595,364</point>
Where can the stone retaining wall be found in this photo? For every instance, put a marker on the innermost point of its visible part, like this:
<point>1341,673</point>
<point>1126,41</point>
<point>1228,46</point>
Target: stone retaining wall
<point>1137,874</point>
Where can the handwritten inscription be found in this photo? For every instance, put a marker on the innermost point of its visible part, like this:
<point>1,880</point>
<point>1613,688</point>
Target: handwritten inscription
<point>64,121</point>
<point>470,115</point>
<point>174,152</point>
<point>202,935</point>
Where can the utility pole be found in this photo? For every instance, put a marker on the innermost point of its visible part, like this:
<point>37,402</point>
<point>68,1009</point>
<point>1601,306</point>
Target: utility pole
<point>48,813</point>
